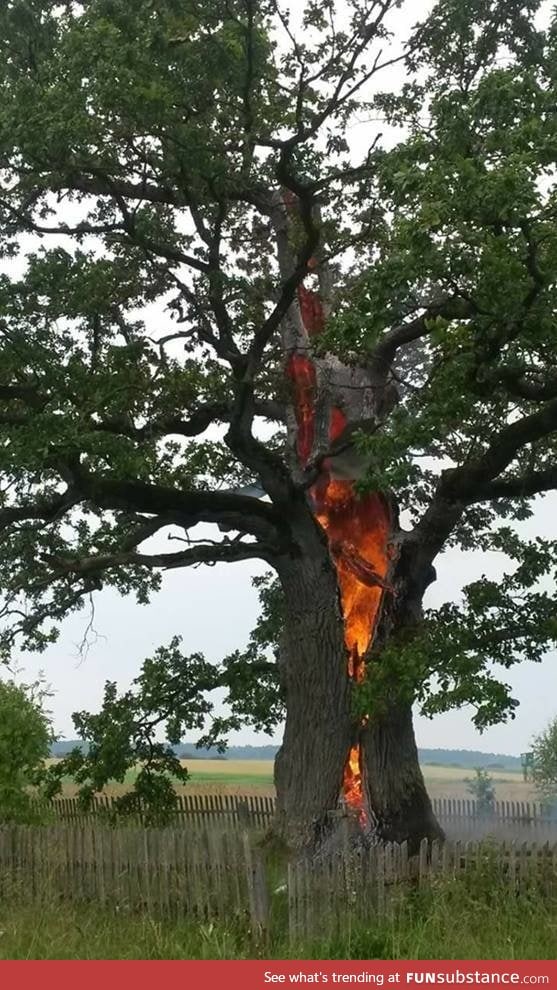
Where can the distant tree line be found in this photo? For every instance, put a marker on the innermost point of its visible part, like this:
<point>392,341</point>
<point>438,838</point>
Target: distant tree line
<point>465,758</point>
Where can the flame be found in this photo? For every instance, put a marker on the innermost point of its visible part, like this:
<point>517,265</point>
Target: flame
<point>357,531</point>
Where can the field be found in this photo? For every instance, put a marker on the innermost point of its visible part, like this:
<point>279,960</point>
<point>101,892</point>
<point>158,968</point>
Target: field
<point>257,775</point>
<point>450,782</point>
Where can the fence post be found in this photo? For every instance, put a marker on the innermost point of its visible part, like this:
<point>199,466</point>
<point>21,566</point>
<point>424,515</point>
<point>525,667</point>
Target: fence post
<point>257,891</point>
<point>244,815</point>
<point>423,861</point>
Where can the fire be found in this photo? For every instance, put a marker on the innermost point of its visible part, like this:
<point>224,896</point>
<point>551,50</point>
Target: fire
<point>357,531</point>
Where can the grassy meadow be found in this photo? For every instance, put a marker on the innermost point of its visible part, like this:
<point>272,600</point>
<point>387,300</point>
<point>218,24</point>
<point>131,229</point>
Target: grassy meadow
<point>228,776</point>
<point>449,919</point>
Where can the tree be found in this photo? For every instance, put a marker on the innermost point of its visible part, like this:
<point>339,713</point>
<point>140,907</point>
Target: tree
<point>170,694</point>
<point>25,738</point>
<point>544,764</point>
<point>483,789</point>
<point>360,370</point>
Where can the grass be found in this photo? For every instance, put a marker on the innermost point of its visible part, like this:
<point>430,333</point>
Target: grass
<point>257,775</point>
<point>451,919</point>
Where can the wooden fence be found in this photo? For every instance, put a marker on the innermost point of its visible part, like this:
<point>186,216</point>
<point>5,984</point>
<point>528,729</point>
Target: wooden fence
<point>461,818</point>
<point>170,871</point>
<point>235,810</point>
<point>209,874</point>
<point>327,896</point>
<point>527,820</point>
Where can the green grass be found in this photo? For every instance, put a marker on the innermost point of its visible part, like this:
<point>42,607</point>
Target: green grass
<point>248,775</point>
<point>233,779</point>
<point>473,918</point>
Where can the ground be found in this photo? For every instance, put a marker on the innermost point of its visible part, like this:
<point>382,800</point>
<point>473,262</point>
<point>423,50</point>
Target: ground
<point>257,775</point>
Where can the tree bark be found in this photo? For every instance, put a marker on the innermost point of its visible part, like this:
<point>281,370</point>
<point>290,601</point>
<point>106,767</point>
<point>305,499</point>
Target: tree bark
<point>319,723</point>
<point>321,726</point>
<point>393,782</point>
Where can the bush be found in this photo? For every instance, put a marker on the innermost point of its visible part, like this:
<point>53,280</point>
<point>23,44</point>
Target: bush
<point>544,763</point>
<point>25,740</point>
<point>483,789</point>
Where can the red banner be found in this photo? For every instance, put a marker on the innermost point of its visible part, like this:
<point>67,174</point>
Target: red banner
<point>269,974</point>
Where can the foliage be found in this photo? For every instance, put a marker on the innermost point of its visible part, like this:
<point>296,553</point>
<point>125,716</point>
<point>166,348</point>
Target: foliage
<point>483,790</point>
<point>173,695</point>
<point>25,738</point>
<point>544,766</point>
<point>168,695</point>
<point>145,151</point>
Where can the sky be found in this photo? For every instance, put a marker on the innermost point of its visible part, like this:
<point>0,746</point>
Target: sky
<point>213,609</point>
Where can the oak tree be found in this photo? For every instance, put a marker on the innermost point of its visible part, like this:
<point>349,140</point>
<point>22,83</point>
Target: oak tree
<point>218,307</point>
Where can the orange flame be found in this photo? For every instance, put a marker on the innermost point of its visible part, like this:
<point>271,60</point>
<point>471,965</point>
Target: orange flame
<point>357,531</point>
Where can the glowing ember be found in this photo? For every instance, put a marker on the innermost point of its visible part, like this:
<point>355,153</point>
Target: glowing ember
<point>357,531</point>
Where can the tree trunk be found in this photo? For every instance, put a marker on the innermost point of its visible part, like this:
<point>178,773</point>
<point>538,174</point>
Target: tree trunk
<point>319,724</point>
<point>357,565</point>
<point>393,782</point>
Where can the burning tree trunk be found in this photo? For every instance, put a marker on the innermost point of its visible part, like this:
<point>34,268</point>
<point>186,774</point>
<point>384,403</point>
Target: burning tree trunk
<point>335,613</point>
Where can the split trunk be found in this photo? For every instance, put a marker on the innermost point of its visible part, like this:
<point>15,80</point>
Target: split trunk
<point>312,768</point>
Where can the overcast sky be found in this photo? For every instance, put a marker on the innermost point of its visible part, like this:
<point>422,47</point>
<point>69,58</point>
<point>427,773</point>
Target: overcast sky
<point>213,609</point>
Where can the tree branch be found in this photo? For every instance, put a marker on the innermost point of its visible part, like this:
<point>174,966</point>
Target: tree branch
<point>450,307</point>
<point>528,383</point>
<point>237,512</point>
<point>524,486</point>
<point>463,483</point>
<point>478,481</point>
<point>205,554</point>
<point>46,509</point>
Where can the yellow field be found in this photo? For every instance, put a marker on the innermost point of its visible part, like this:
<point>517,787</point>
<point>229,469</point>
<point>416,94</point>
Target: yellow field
<point>450,782</point>
<point>245,776</point>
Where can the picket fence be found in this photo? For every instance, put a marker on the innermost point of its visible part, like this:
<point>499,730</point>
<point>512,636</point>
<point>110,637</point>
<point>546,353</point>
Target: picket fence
<point>209,874</point>
<point>328,896</point>
<point>461,818</point>
<point>169,871</point>
<point>234,810</point>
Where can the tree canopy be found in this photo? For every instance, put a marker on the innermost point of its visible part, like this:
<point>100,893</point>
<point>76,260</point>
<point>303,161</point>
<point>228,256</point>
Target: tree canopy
<point>151,265</point>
